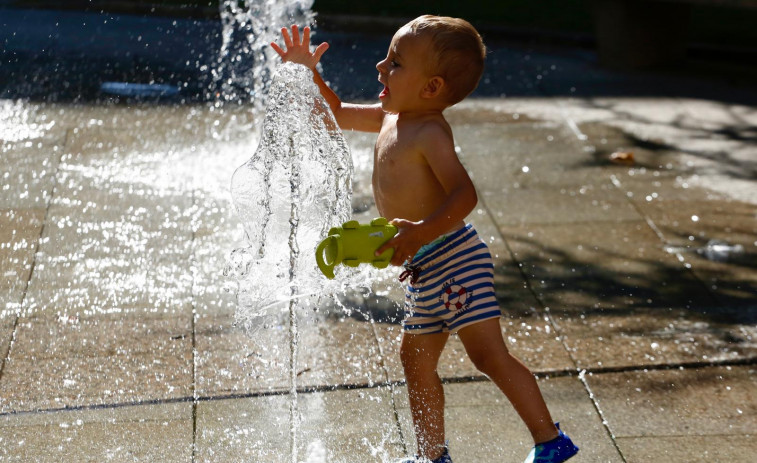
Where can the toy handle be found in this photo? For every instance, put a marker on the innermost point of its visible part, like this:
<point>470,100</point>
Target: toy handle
<point>330,249</point>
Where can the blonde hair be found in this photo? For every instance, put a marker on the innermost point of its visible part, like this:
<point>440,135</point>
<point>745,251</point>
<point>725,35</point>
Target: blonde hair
<point>458,53</point>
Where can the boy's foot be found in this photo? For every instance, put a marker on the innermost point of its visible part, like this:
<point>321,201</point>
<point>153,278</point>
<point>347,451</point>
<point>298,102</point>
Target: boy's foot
<point>557,450</point>
<point>443,458</point>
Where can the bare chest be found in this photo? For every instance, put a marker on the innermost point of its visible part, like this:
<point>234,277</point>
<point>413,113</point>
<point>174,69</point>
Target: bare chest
<point>393,151</point>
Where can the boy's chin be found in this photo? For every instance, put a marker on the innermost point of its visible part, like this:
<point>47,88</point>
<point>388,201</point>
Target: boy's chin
<point>388,106</point>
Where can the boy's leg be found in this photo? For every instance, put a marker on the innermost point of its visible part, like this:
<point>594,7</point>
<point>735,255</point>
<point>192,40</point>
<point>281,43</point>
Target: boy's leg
<point>420,354</point>
<point>486,347</point>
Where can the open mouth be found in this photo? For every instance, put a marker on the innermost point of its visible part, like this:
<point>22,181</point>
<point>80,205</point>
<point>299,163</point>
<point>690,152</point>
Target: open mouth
<point>385,91</point>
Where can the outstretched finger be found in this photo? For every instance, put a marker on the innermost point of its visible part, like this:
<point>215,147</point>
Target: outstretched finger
<point>287,38</point>
<point>320,50</point>
<point>306,35</point>
<point>278,49</point>
<point>296,34</point>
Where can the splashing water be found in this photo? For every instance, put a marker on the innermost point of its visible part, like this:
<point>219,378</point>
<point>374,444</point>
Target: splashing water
<point>294,188</point>
<point>246,62</point>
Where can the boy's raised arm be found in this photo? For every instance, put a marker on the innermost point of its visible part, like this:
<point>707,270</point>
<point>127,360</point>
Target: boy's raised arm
<point>365,118</point>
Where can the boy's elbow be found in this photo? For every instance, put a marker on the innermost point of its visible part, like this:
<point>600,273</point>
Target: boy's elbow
<point>342,121</point>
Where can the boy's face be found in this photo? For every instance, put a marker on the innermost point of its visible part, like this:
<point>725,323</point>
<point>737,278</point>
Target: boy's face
<point>404,71</point>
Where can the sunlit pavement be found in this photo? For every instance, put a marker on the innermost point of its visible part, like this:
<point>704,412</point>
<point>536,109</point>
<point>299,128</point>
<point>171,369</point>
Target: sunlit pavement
<point>116,326</point>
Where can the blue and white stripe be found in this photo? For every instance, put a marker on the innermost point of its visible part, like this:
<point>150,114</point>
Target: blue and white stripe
<point>461,262</point>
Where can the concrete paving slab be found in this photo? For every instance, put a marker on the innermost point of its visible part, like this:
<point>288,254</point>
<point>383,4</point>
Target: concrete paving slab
<point>512,292</point>
<point>733,282</point>
<point>723,219</point>
<point>159,432</point>
<point>230,361</point>
<point>501,156</point>
<point>102,222</point>
<point>338,351</point>
<point>601,265</point>
<point>7,327</point>
<point>122,168</point>
<point>606,139</point>
<point>75,362</point>
<point>25,120</point>
<point>27,172</point>
<point>685,415</point>
<point>689,449</point>
<point>548,205</point>
<point>20,231</point>
<point>482,425</point>
<point>244,430</point>
<point>711,138</point>
<point>258,428</point>
<point>539,173</point>
<point>73,283</point>
<point>696,231</point>
<point>691,124</point>
<point>642,185</point>
<point>389,338</point>
<point>643,306</point>
<point>348,426</point>
<point>85,200</point>
<point>640,337</point>
<point>688,218</point>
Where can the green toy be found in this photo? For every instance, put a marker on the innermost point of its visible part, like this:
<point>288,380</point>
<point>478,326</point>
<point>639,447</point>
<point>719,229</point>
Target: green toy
<point>354,243</point>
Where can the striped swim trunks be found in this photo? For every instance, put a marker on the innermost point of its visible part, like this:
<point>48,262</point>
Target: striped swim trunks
<point>451,285</point>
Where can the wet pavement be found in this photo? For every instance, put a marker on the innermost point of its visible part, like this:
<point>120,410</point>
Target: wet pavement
<point>629,290</point>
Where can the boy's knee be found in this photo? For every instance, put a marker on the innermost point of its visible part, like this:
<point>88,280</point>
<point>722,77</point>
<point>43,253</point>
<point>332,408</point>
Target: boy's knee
<point>414,362</point>
<point>484,361</point>
<point>408,356</point>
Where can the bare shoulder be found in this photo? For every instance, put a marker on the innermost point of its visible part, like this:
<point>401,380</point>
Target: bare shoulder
<point>434,135</point>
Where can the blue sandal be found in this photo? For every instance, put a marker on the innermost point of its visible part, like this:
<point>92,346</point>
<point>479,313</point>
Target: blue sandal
<point>557,450</point>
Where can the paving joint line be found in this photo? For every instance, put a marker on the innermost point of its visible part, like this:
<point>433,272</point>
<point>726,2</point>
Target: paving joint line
<point>583,141</point>
<point>33,266</point>
<point>687,267</point>
<point>527,282</point>
<point>554,324</point>
<point>392,389</point>
<point>545,374</point>
<point>194,325</point>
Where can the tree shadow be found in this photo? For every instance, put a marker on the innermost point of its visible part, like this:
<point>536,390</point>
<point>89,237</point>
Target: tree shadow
<point>601,284</point>
<point>662,155</point>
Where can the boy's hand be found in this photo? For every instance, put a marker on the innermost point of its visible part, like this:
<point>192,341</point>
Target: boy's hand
<point>298,51</point>
<point>406,242</point>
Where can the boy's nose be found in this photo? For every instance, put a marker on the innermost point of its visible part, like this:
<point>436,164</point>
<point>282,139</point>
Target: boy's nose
<point>380,65</point>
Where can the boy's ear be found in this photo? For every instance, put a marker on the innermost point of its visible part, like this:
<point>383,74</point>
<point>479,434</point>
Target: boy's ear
<point>433,87</point>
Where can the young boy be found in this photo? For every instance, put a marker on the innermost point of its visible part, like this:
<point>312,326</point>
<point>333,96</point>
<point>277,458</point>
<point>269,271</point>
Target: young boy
<point>421,186</point>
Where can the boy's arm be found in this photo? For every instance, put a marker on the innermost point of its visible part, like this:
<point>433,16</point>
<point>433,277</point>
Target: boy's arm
<point>461,197</point>
<point>367,118</point>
